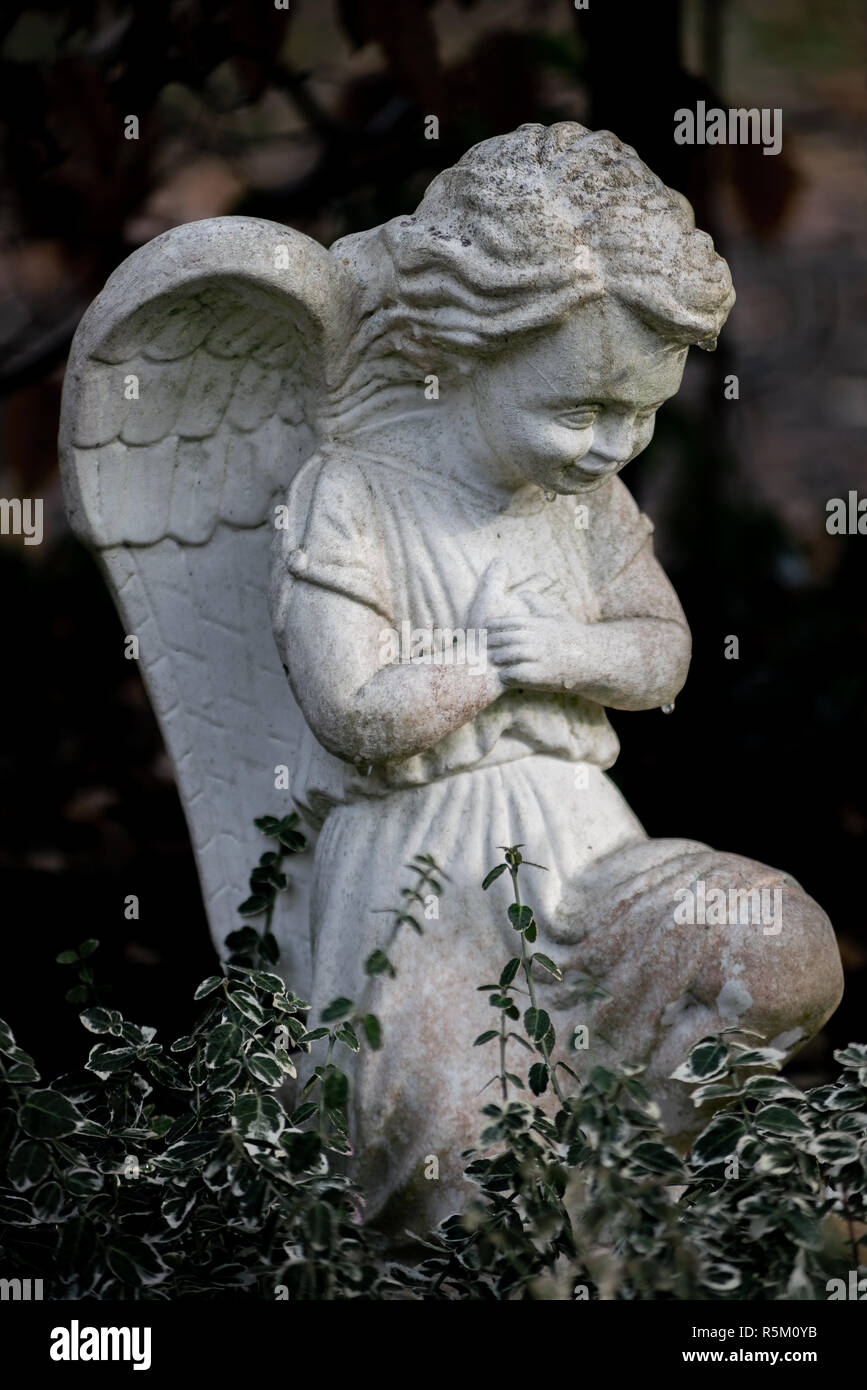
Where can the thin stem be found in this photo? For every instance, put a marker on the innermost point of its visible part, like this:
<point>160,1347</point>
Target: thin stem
<point>331,1041</point>
<point>273,896</point>
<point>503,1082</point>
<point>528,972</point>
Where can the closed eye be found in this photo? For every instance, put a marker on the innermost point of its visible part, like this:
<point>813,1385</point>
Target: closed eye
<point>582,418</point>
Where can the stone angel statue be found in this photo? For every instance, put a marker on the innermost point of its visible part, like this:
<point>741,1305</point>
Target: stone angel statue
<point>362,509</point>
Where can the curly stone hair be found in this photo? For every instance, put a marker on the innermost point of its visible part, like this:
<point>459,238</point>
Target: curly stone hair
<point>521,232</point>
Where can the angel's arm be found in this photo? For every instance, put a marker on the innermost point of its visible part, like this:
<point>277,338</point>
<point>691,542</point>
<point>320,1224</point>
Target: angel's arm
<point>363,711</point>
<point>637,656</point>
<point>633,664</point>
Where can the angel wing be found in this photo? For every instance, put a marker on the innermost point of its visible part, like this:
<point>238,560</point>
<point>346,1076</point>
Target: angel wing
<point>190,401</point>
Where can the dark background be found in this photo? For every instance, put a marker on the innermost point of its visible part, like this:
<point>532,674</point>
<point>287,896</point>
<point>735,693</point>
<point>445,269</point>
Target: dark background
<point>315,117</point>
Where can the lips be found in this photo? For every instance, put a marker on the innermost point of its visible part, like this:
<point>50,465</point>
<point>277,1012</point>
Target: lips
<point>599,470</point>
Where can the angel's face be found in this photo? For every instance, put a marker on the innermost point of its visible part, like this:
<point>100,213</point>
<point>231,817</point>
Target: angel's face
<point>573,406</point>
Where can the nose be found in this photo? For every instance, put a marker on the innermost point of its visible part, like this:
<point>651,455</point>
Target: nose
<point>613,438</point>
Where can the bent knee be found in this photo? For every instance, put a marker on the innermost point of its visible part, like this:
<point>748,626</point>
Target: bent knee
<point>781,977</point>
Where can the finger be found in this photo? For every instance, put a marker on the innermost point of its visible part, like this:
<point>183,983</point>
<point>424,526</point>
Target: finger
<point>518,623</point>
<point>515,637</point>
<point>519,673</point>
<point>539,604</point>
<point>539,580</point>
<point>510,656</point>
<point>493,581</point>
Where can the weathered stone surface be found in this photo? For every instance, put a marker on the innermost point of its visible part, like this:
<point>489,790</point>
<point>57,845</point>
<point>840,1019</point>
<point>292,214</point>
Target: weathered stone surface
<point>407,448</point>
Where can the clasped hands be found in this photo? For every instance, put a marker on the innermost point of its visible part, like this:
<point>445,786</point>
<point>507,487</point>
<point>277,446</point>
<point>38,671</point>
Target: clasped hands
<point>543,646</point>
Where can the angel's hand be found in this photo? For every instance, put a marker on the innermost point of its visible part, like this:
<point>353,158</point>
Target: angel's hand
<point>494,598</point>
<point>542,649</point>
<point>490,596</point>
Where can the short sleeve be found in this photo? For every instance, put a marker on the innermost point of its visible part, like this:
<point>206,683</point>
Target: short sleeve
<point>332,535</point>
<point>618,533</point>
<point>627,577</point>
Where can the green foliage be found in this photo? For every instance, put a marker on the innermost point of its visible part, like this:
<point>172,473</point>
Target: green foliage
<point>590,1199</point>
<point>84,991</point>
<point>174,1172</point>
<point>187,1172</point>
